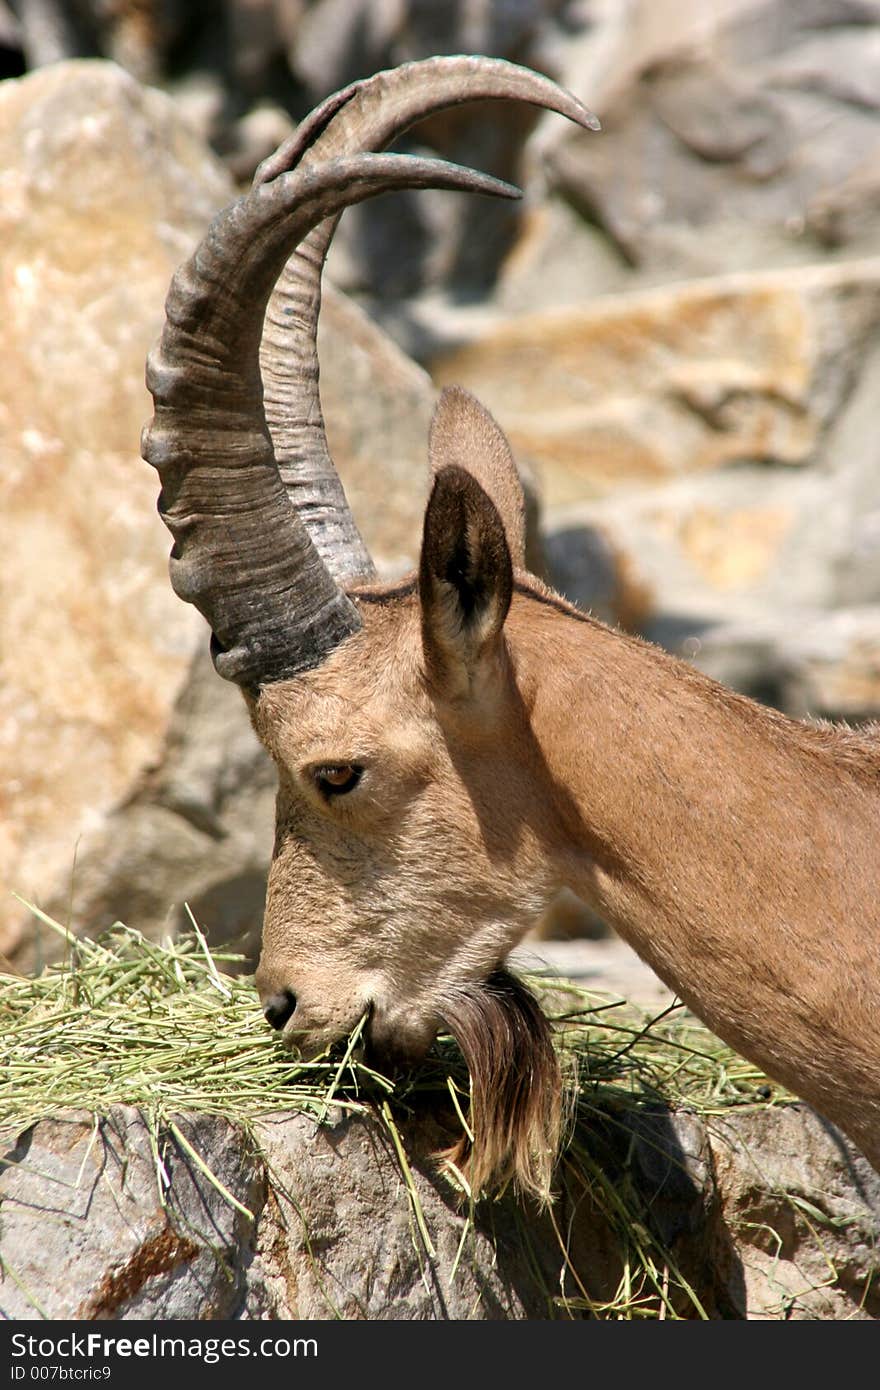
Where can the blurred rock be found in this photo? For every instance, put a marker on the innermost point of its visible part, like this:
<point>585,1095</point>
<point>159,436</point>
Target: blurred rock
<point>709,448</point>
<point>823,665</point>
<point>377,407</point>
<point>404,245</point>
<point>103,192</point>
<point>137,34</point>
<point>595,958</point>
<point>10,30</point>
<point>267,61</point>
<point>680,380</point>
<point>585,566</point>
<point>566,918</point>
<point>557,259</point>
<point>736,135</point>
<point>252,139</point>
<point>195,830</point>
<point>338,41</point>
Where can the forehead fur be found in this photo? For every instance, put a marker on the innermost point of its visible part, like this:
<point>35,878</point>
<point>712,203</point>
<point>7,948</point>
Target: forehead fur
<point>355,684</point>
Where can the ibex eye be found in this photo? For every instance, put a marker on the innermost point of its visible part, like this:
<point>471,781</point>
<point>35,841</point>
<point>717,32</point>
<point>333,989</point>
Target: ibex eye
<point>334,779</point>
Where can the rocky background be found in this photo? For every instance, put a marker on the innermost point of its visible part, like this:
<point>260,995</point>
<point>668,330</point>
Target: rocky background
<point>678,328</point>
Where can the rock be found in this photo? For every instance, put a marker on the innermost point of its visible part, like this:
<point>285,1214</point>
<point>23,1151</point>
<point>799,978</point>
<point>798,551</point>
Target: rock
<point>735,136</point>
<point>824,665</point>
<point>566,918</point>
<point>252,139</point>
<point>557,259</point>
<point>104,192</point>
<point>89,1234</point>
<point>10,29</point>
<point>377,407</point>
<point>679,380</point>
<point>707,447</point>
<point>407,245</point>
<point>193,834</point>
<point>602,963</point>
<point>601,578</point>
<point>830,668</point>
<point>768,1213</point>
<point>333,1236</point>
<point>801,1209</point>
<point>146,37</point>
<point>343,1241</point>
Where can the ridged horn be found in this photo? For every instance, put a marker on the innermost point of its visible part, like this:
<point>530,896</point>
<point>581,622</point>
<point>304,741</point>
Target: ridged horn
<point>241,552</point>
<point>367,115</point>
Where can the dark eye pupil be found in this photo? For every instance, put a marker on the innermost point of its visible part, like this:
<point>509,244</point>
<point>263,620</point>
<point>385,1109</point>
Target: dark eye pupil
<point>338,779</point>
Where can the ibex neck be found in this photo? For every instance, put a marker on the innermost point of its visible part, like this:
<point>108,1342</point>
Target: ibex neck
<point>736,850</point>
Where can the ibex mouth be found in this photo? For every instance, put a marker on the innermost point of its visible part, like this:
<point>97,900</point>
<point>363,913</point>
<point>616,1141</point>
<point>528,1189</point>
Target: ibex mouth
<point>392,1050</point>
<point>516,1086</point>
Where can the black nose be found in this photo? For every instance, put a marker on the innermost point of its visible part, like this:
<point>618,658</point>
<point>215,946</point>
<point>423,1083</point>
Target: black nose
<point>279,1007</point>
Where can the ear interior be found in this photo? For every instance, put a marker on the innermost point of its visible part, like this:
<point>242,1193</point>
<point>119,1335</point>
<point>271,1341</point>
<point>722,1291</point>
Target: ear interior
<point>464,435</point>
<point>465,581</point>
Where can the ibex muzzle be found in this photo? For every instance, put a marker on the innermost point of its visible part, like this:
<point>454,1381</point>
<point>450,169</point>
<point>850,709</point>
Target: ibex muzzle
<point>453,749</point>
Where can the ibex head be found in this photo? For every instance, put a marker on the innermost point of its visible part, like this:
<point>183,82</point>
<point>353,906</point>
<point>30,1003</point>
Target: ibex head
<point>407,857</point>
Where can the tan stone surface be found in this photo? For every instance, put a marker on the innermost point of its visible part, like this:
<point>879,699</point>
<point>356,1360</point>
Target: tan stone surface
<point>653,385</point>
<point>832,665</point>
<point>609,966</point>
<point>102,192</point>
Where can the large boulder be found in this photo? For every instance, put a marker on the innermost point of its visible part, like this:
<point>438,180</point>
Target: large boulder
<point>767,1213</point>
<point>104,193</point>
<point>119,1244</point>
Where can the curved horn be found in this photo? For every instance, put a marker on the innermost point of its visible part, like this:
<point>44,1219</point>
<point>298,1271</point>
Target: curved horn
<point>241,553</point>
<point>367,115</point>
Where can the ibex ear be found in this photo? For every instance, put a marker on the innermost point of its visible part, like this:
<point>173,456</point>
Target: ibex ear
<point>464,435</point>
<point>465,583</point>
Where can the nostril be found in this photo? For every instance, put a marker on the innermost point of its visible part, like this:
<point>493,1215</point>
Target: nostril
<point>278,1008</point>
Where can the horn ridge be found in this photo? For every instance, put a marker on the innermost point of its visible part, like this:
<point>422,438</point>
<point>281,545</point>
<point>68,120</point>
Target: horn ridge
<point>372,111</point>
<point>367,115</point>
<point>242,554</point>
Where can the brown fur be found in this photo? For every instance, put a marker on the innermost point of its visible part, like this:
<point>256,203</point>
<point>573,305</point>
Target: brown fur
<point>516,1087</point>
<point>464,435</point>
<point>507,753</point>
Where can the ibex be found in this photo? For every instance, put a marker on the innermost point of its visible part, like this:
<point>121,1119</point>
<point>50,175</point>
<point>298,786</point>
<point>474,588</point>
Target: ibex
<point>453,749</point>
